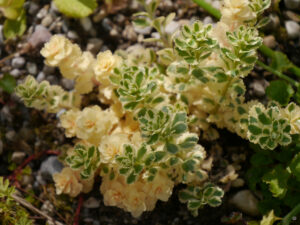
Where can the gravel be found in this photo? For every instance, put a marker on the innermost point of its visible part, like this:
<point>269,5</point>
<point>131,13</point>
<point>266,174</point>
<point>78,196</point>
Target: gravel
<point>18,62</point>
<point>18,157</point>
<point>246,202</point>
<point>49,167</point>
<point>31,68</point>
<point>40,36</point>
<point>292,29</point>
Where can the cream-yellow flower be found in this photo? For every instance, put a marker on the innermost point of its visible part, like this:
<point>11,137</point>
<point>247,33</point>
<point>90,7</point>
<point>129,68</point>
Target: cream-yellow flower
<point>58,49</point>
<point>104,65</point>
<point>68,122</point>
<point>293,117</point>
<point>237,12</point>
<point>66,182</point>
<point>93,123</point>
<point>112,145</point>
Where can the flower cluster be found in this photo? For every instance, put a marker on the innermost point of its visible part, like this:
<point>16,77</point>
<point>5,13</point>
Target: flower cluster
<point>146,141</point>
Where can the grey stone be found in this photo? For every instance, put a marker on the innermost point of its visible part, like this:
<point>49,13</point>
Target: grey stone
<point>119,18</point>
<point>86,23</point>
<point>15,73</point>
<point>49,167</point>
<point>17,62</point>
<point>246,202</point>
<point>258,88</point>
<point>40,36</point>
<point>292,4</point>
<point>67,84</point>
<point>292,29</point>
<point>129,33</point>
<point>274,22</point>
<point>33,8</point>
<point>48,69</point>
<point>42,13</point>
<point>72,35</point>
<point>47,20</point>
<point>52,79</point>
<point>107,24</point>
<point>91,203</point>
<point>270,41</point>
<point>48,208</point>
<point>94,45</point>
<point>18,157</point>
<point>31,68</point>
<point>208,20</point>
<point>10,135</point>
<point>40,77</point>
<point>114,32</point>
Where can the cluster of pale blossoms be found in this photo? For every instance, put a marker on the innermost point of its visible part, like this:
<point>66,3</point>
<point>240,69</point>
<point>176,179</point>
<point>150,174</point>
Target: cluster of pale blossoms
<point>110,129</point>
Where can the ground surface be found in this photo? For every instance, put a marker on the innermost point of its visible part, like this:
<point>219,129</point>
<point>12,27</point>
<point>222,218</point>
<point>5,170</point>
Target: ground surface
<point>25,132</point>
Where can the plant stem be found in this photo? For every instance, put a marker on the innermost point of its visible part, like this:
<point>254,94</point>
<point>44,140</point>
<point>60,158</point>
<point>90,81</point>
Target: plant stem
<point>287,219</point>
<point>28,205</point>
<point>270,53</point>
<point>209,8</point>
<point>77,213</point>
<point>279,74</point>
<point>263,49</point>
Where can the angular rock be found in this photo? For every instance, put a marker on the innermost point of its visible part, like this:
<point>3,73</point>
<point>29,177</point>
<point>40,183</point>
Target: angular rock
<point>39,37</point>
<point>49,167</point>
<point>292,29</point>
<point>18,157</point>
<point>246,202</point>
<point>18,62</point>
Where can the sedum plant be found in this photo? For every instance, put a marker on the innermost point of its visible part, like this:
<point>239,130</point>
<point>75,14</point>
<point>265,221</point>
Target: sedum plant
<point>10,210</point>
<point>146,141</point>
<point>15,23</point>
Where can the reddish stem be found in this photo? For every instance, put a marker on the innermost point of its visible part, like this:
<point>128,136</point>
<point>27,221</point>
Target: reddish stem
<point>77,213</point>
<point>19,169</point>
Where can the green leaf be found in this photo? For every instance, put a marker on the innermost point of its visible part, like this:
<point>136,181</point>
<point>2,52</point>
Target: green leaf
<point>138,168</point>
<point>131,178</point>
<point>260,159</point>
<point>188,166</point>
<point>8,83</point>
<point>172,148</point>
<point>180,128</point>
<point>221,77</point>
<point>130,105</point>
<point>269,219</point>
<point>254,130</point>
<point>185,196</point>
<point>280,91</point>
<point>76,8</point>
<point>14,28</point>
<point>295,166</point>
<point>263,22</point>
<point>277,179</point>
<point>141,152</point>
<point>139,79</point>
<point>159,155</point>
<point>280,61</point>
<point>194,204</point>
